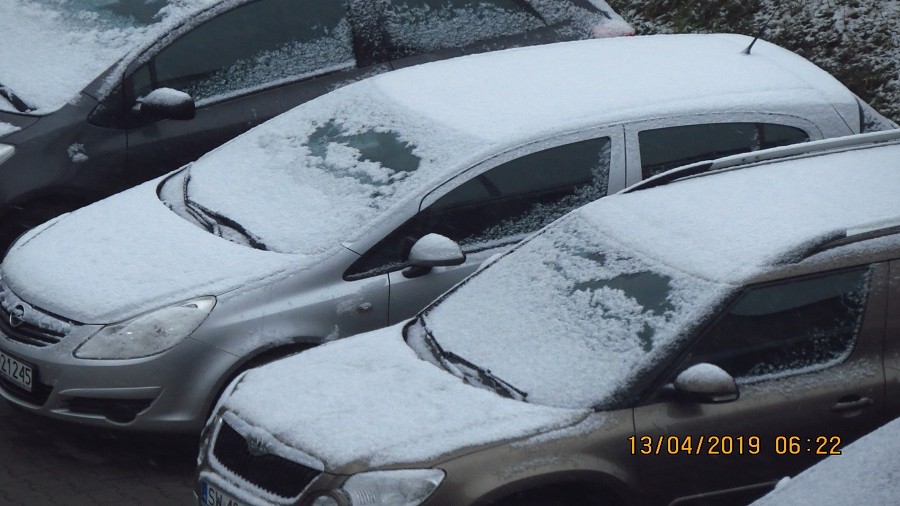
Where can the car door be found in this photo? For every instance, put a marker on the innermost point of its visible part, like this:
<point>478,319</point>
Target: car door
<point>807,356</point>
<point>241,67</point>
<point>655,146</point>
<point>892,346</point>
<point>493,206</point>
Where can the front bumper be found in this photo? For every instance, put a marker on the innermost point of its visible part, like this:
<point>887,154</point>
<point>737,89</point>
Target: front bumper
<point>278,476</point>
<point>170,392</point>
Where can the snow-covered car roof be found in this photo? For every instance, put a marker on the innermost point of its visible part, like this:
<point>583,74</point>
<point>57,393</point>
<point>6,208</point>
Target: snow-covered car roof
<point>735,225</point>
<point>524,93</point>
<point>866,472</point>
<point>56,48</point>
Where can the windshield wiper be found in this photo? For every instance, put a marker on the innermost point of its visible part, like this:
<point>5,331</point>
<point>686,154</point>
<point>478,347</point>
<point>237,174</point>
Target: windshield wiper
<point>14,99</point>
<point>214,222</point>
<point>469,371</point>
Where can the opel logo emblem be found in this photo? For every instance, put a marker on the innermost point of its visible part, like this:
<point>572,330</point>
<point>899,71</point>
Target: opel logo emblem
<point>16,316</point>
<point>257,447</point>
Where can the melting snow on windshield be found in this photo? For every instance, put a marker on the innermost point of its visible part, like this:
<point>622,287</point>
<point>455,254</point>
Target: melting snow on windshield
<point>570,317</point>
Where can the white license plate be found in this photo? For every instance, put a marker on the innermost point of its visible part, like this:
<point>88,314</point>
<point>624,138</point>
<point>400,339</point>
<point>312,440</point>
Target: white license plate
<point>16,371</point>
<point>211,496</point>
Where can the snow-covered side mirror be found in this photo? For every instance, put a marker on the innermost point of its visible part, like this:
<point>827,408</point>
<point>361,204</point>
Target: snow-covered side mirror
<point>433,250</point>
<point>706,383</point>
<point>166,103</point>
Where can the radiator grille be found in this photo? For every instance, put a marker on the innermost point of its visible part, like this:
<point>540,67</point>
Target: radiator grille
<point>273,473</point>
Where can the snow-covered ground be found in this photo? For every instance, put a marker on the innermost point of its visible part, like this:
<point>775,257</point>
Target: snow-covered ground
<point>856,40</point>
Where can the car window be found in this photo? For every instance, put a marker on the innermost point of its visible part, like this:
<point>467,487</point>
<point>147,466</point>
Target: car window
<point>417,26</point>
<point>256,45</point>
<point>790,327</point>
<point>666,148</point>
<point>503,204</point>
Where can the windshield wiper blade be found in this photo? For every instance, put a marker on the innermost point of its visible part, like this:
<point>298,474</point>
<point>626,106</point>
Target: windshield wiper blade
<point>451,361</point>
<point>14,99</point>
<point>213,221</point>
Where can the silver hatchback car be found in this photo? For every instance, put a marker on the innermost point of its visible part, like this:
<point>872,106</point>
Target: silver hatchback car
<point>353,211</point>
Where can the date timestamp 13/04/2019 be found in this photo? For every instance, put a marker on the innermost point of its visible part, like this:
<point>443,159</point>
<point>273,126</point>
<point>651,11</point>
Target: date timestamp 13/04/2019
<point>733,445</point>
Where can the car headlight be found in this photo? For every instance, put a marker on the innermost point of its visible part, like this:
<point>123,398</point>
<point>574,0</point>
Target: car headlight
<point>403,487</point>
<point>149,333</point>
<point>6,152</point>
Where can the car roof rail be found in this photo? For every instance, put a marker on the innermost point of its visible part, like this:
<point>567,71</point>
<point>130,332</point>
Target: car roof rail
<point>812,148</point>
<point>883,228</point>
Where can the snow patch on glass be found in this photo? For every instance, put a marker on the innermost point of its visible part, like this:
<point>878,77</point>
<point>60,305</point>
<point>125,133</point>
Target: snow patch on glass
<point>571,318</point>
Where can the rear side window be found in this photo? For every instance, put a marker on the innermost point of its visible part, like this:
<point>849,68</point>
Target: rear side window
<point>256,45</point>
<point>791,327</point>
<point>418,26</point>
<point>501,205</point>
<point>666,148</point>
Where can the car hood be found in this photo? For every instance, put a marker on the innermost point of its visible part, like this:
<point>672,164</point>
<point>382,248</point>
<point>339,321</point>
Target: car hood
<point>126,255</point>
<point>11,123</point>
<point>369,401</point>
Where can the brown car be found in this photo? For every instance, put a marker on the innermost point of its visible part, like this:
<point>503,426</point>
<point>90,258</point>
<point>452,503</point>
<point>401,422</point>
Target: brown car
<point>689,342</point>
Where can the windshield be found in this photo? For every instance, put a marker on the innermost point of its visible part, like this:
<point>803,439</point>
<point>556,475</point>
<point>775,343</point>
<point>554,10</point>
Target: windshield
<point>319,175</point>
<point>60,46</point>
<point>570,317</point>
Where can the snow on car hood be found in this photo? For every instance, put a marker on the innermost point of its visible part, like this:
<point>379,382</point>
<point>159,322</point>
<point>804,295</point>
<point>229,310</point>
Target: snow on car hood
<point>6,129</point>
<point>129,254</point>
<point>370,399</point>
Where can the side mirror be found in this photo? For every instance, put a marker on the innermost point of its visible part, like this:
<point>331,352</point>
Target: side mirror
<point>433,250</point>
<point>706,383</point>
<point>166,103</point>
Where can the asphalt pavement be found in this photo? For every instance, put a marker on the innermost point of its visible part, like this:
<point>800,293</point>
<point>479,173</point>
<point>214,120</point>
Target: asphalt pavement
<point>46,462</point>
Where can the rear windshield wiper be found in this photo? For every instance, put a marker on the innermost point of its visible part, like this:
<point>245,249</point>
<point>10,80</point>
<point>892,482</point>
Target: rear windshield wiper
<point>14,99</point>
<point>471,372</point>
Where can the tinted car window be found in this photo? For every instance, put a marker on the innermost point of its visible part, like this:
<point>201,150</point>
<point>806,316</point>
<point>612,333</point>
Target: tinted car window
<point>417,26</point>
<point>256,45</point>
<point>503,204</point>
<point>790,327</point>
<point>665,148</point>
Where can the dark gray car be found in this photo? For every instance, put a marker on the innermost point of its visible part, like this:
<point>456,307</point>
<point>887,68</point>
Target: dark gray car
<point>87,104</point>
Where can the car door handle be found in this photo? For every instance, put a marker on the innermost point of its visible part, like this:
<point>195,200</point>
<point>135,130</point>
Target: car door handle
<point>852,403</point>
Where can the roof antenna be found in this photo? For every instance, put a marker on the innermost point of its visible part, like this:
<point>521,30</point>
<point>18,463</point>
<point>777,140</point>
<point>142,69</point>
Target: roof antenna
<point>758,35</point>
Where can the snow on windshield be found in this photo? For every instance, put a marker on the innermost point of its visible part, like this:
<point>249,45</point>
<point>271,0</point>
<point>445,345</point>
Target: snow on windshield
<point>325,172</point>
<point>52,52</point>
<point>570,317</point>
<point>57,47</point>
